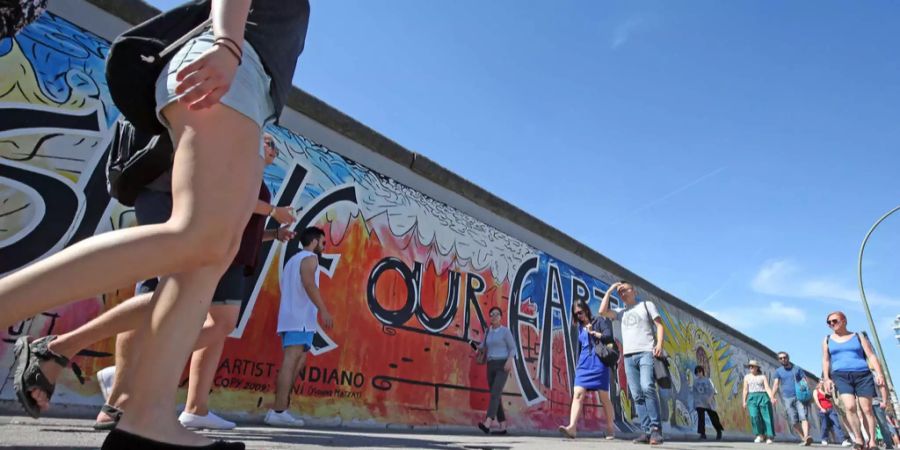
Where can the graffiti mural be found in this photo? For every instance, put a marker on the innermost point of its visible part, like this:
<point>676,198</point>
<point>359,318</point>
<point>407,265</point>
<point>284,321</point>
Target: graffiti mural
<point>408,279</point>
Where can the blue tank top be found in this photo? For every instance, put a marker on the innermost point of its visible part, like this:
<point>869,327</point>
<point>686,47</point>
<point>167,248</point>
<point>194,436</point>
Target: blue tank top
<point>847,356</point>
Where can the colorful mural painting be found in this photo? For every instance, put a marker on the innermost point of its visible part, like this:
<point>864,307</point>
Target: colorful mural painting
<point>409,279</point>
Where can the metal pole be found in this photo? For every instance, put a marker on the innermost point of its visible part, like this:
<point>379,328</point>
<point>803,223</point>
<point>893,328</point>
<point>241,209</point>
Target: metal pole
<point>862,294</point>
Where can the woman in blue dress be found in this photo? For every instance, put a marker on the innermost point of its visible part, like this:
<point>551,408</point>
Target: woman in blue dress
<point>590,373</point>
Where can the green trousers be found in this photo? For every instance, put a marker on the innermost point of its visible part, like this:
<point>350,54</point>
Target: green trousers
<point>760,409</point>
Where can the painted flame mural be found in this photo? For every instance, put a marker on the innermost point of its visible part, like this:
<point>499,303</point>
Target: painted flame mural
<point>408,279</point>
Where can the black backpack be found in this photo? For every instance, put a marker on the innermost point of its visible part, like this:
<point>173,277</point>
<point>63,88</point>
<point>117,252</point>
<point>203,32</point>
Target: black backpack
<point>135,159</point>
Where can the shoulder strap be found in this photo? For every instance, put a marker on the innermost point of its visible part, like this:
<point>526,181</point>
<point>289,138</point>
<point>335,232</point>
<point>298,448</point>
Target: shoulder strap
<point>650,318</point>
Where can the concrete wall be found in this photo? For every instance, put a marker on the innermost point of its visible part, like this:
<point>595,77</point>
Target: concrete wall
<point>417,255</point>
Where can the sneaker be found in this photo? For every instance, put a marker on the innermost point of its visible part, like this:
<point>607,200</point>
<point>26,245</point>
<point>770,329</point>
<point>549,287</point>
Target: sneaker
<point>769,441</point>
<point>824,443</point>
<point>758,440</point>
<point>656,437</point>
<point>209,422</point>
<point>846,443</point>
<point>644,439</point>
<point>105,378</point>
<point>282,419</point>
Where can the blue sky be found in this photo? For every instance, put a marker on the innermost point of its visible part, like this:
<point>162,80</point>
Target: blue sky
<point>733,153</point>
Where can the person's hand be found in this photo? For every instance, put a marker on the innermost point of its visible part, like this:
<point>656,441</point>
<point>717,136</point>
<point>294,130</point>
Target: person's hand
<point>745,405</point>
<point>879,380</point>
<point>657,351</point>
<point>823,410</point>
<point>284,234</point>
<point>283,215</point>
<point>614,287</point>
<point>204,81</point>
<point>508,366</point>
<point>774,400</point>
<point>590,328</point>
<point>327,320</point>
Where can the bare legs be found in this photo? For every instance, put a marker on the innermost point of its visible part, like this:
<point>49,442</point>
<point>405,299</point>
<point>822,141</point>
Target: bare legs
<point>293,361</point>
<point>578,404</point>
<point>205,360</point>
<point>609,412</point>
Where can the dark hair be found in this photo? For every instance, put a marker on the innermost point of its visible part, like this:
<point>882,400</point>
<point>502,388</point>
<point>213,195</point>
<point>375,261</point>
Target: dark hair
<point>310,234</point>
<point>491,311</point>
<point>581,304</point>
<point>699,369</point>
<point>785,354</point>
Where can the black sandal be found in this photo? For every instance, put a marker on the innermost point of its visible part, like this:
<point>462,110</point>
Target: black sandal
<point>110,411</point>
<point>483,428</point>
<point>123,440</point>
<point>28,374</point>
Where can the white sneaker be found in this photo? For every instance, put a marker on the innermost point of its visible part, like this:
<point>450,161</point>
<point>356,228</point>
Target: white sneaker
<point>769,441</point>
<point>282,419</point>
<point>758,440</point>
<point>846,443</point>
<point>105,378</point>
<point>825,443</point>
<point>210,421</point>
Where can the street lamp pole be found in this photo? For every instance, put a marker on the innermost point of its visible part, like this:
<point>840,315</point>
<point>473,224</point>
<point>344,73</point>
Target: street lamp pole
<point>862,294</point>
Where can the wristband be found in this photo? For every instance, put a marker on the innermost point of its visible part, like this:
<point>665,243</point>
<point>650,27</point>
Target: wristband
<point>231,50</point>
<point>272,211</point>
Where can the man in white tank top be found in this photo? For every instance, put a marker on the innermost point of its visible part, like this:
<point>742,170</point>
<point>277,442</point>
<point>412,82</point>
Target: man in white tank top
<point>301,304</point>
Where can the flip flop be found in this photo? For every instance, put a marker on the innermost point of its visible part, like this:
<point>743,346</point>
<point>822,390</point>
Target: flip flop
<point>28,374</point>
<point>111,411</point>
<point>565,432</point>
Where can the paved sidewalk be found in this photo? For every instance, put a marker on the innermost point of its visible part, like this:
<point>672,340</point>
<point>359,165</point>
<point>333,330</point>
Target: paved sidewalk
<point>20,432</point>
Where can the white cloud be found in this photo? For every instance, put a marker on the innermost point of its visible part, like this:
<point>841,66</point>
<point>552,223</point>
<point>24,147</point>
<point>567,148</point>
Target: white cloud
<point>624,31</point>
<point>784,278</point>
<point>747,318</point>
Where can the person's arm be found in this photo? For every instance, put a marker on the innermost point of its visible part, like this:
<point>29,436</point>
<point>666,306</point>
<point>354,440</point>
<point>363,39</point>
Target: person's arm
<point>604,304</point>
<point>282,234</point>
<point>770,391</point>
<point>746,390</point>
<point>511,348</point>
<point>282,214</point>
<point>776,385</point>
<point>660,335</point>
<point>826,366</point>
<point>308,269</point>
<point>870,356</point>
<point>204,81</point>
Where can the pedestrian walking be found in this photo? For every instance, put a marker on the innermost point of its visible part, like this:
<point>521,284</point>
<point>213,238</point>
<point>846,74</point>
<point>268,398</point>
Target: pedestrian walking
<point>591,374</point>
<point>758,399</point>
<point>828,417</point>
<point>497,349</point>
<point>704,394</point>
<point>845,362</point>
<point>642,339</point>
<point>791,381</point>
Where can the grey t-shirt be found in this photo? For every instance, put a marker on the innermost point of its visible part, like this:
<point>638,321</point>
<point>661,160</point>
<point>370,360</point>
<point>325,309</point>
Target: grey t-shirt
<point>638,329</point>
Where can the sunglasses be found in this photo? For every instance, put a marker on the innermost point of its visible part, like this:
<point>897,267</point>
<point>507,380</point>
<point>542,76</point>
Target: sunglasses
<point>495,314</point>
<point>833,322</point>
<point>782,357</point>
<point>579,313</point>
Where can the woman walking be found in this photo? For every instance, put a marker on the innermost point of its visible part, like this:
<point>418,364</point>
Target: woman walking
<point>590,372</point>
<point>828,416</point>
<point>704,393</point>
<point>215,95</point>
<point>498,348</point>
<point>845,362</point>
<point>758,403</point>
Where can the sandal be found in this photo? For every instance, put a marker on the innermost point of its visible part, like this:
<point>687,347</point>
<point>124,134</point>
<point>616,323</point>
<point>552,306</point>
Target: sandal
<point>483,428</point>
<point>499,432</point>
<point>111,411</point>
<point>28,374</point>
<point>565,432</point>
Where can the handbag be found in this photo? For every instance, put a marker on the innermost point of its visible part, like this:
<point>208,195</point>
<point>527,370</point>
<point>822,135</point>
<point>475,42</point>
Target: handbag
<point>661,372</point>
<point>608,352</point>
<point>138,55</point>
<point>135,159</point>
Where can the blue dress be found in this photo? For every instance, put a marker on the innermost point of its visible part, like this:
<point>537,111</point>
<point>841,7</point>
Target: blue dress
<point>590,372</point>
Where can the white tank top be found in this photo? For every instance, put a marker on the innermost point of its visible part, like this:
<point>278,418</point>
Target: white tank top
<point>755,383</point>
<point>296,311</point>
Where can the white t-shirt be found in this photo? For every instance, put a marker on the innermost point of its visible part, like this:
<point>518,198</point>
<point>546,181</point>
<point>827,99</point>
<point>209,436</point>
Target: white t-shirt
<point>297,312</point>
<point>638,328</point>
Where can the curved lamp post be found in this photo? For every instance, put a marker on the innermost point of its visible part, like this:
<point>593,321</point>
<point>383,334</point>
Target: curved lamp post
<point>862,294</point>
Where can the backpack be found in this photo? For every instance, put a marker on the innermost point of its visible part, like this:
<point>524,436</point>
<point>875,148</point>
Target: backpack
<point>135,159</point>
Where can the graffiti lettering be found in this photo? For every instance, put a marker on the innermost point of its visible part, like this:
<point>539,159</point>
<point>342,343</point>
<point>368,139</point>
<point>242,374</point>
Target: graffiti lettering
<point>412,306</point>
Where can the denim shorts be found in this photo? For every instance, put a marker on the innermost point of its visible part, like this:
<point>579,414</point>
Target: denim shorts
<point>795,409</point>
<point>294,338</point>
<point>860,383</point>
<point>248,94</point>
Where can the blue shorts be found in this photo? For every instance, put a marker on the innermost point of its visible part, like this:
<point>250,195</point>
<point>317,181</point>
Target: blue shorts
<point>796,410</point>
<point>294,338</point>
<point>249,91</point>
<point>860,383</point>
